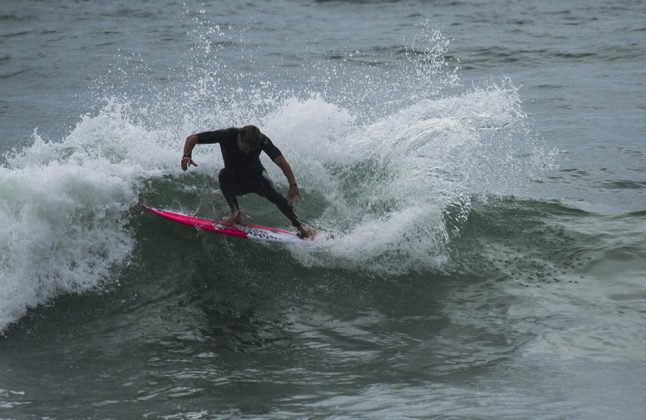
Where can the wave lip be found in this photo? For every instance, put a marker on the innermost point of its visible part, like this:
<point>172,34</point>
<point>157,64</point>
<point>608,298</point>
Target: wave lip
<point>65,210</point>
<point>397,187</point>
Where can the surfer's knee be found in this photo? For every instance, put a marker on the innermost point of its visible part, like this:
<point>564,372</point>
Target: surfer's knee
<point>268,189</point>
<point>270,193</point>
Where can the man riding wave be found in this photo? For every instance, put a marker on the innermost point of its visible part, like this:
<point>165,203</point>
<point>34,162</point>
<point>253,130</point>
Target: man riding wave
<point>243,172</point>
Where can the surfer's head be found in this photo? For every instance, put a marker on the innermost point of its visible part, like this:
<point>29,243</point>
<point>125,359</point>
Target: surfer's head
<point>249,139</point>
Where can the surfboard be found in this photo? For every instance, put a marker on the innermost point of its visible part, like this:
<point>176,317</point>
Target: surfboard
<point>244,231</point>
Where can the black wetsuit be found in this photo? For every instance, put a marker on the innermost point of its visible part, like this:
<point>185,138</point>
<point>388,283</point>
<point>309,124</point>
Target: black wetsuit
<point>243,173</point>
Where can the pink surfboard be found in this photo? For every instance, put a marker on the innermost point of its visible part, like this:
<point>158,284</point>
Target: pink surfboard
<point>245,231</point>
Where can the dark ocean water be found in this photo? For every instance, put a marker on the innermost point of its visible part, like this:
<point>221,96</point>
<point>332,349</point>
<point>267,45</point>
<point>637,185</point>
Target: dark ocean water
<point>477,171</point>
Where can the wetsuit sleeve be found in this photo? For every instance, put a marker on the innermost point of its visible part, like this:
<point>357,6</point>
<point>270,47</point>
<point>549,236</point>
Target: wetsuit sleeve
<point>268,147</point>
<point>209,137</point>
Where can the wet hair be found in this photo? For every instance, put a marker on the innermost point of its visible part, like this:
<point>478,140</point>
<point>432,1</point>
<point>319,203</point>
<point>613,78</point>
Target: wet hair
<point>251,136</point>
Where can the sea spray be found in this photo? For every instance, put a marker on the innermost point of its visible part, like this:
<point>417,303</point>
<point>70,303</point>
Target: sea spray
<point>65,208</point>
<point>384,178</point>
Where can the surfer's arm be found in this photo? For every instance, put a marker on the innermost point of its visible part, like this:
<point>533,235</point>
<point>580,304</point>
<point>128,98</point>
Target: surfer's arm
<point>190,143</point>
<point>294,194</point>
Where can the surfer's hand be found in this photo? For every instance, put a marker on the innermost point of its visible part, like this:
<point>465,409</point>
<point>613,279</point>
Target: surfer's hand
<point>186,162</point>
<point>294,195</point>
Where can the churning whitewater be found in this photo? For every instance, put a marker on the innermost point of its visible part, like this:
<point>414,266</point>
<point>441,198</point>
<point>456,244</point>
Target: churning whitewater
<point>382,188</point>
<point>386,191</point>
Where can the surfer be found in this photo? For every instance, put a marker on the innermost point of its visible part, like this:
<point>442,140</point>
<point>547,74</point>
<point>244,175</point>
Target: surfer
<point>243,172</point>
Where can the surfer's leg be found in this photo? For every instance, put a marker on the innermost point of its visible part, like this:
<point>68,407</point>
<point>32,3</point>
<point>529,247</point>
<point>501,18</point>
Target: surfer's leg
<point>268,190</point>
<point>228,188</point>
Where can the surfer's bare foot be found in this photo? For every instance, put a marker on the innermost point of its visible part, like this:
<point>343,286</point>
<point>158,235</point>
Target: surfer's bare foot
<point>234,219</point>
<point>306,232</point>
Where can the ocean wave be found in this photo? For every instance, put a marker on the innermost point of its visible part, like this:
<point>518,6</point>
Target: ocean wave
<point>388,190</point>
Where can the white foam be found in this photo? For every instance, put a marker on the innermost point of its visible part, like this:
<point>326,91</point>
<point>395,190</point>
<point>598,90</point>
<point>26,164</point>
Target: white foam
<point>64,209</point>
<point>386,181</point>
<point>389,182</point>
